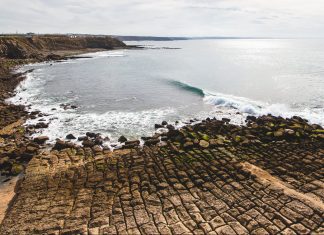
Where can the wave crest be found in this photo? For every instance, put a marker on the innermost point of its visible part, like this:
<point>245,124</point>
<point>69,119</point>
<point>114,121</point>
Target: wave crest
<point>187,87</point>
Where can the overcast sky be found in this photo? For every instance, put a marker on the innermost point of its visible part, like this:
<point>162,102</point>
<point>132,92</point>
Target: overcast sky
<point>274,18</point>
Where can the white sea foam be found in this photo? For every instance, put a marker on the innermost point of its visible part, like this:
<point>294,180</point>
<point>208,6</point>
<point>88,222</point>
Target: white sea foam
<point>138,123</point>
<point>250,107</point>
<point>62,122</point>
<point>100,54</point>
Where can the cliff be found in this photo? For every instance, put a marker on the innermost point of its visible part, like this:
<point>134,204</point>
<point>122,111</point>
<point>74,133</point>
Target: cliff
<point>37,47</point>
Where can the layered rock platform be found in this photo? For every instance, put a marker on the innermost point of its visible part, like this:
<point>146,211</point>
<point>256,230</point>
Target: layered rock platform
<point>209,178</point>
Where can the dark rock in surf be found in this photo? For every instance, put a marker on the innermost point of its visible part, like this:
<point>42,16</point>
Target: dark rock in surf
<point>60,144</point>
<point>226,120</point>
<point>91,134</point>
<point>41,139</point>
<point>88,143</point>
<point>82,138</point>
<point>131,144</point>
<point>70,137</point>
<point>135,142</point>
<point>157,126</point>
<point>170,127</point>
<point>151,142</point>
<point>98,140</point>
<point>41,125</point>
<point>122,139</point>
<point>251,118</point>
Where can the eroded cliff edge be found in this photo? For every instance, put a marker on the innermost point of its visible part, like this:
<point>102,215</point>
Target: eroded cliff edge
<point>38,47</point>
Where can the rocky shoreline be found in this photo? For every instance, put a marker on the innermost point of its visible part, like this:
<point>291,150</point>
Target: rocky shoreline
<point>16,146</point>
<point>208,177</point>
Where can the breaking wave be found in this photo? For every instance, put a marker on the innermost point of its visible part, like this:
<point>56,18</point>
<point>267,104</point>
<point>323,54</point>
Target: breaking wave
<point>187,87</point>
<point>245,106</point>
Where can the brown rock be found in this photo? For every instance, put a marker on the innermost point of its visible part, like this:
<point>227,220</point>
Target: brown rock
<point>203,144</point>
<point>41,139</point>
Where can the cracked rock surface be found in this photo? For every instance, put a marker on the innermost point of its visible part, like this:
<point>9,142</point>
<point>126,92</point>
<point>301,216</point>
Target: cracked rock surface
<point>173,189</point>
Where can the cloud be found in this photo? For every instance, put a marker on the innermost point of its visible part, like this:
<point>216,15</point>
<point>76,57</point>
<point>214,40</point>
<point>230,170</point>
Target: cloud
<point>280,18</point>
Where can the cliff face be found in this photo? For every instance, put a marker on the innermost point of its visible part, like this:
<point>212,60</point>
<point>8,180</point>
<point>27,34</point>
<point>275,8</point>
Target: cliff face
<point>36,46</point>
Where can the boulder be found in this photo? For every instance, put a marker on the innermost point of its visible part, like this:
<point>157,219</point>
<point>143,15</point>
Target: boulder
<point>151,142</point>
<point>188,145</point>
<point>70,137</point>
<point>88,143</point>
<point>82,138</point>
<point>97,149</point>
<point>164,123</point>
<point>91,134</point>
<point>216,142</point>
<point>238,138</point>
<point>203,144</point>
<point>170,127</point>
<point>251,118</point>
<point>4,161</point>
<point>279,133</point>
<point>132,142</point>
<point>41,125</point>
<point>16,169</point>
<point>60,144</point>
<point>98,140</point>
<point>122,139</point>
<point>157,126</point>
<point>226,120</point>
<point>31,149</point>
<point>41,139</point>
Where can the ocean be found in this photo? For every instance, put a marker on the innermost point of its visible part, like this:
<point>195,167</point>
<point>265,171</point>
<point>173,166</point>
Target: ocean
<point>125,92</point>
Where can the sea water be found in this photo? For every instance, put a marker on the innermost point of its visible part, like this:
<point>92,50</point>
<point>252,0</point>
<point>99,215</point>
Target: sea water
<point>125,92</point>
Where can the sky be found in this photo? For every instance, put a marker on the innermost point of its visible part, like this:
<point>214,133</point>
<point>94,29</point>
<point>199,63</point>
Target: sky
<point>242,18</point>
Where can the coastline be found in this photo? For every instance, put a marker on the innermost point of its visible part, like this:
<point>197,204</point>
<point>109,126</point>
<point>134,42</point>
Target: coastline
<point>205,151</point>
<point>16,145</point>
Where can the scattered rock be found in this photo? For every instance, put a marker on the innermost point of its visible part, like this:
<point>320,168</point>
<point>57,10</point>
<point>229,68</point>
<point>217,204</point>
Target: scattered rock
<point>88,143</point>
<point>152,142</point>
<point>157,126</point>
<point>203,144</point>
<point>132,142</point>
<point>41,125</point>
<point>31,149</point>
<point>226,120</point>
<point>70,137</point>
<point>162,185</point>
<point>98,140</point>
<point>122,139</point>
<point>91,134</point>
<point>41,139</point>
<point>60,144</point>
<point>278,133</point>
<point>16,169</point>
<point>4,161</point>
<point>82,138</point>
<point>188,145</point>
<point>216,142</point>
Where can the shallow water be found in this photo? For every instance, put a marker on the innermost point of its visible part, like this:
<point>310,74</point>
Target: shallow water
<point>128,91</point>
